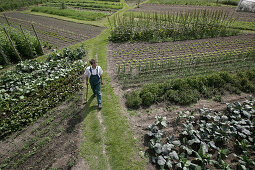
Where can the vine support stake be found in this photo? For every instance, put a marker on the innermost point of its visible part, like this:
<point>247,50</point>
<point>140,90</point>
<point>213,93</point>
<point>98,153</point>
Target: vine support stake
<point>6,20</point>
<point>4,56</point>
<point>37,38</point>
<point>31,51</point>
<point>15,50</point>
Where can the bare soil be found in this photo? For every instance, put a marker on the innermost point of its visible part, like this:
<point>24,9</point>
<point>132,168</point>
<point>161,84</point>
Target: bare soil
<point>57,32</point>
<point>242,16</point>
<point>51,142</point>
<point>136,53</point>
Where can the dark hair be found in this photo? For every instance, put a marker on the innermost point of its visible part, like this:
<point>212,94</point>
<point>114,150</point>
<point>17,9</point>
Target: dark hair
<point>92,61</point>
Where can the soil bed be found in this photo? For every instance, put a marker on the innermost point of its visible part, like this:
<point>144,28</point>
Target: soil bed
<point>138,53</point>
<point>242,16</point>
<point>51,142</point>
<point>142,118</point>
<point>57,32</point>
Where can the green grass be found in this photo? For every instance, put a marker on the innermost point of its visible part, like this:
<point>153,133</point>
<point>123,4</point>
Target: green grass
<point>70,13</point>
<point>196,2</point>
<point>92,147</point>
<point>120,144</point>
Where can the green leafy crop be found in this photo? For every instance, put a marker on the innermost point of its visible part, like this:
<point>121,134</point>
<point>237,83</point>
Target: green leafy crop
<point>205,138</point>
<point>32,88</point>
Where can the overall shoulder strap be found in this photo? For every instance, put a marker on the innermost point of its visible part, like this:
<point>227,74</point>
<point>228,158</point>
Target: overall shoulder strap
<point>90,69</point>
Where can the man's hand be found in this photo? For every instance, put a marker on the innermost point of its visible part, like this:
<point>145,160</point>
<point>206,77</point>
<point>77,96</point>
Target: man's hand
<point>102,83</point>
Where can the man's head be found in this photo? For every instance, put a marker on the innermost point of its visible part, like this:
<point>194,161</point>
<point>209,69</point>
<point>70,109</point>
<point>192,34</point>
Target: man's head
<point>93,62</point>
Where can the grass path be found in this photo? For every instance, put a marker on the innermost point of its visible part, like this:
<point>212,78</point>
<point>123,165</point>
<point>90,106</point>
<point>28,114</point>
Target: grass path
<point>108,142</point>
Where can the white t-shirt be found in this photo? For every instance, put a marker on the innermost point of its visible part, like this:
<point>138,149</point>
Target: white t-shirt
<point>94,71</point>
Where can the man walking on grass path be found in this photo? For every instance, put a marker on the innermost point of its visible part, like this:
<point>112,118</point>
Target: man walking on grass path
<point>94,73</point>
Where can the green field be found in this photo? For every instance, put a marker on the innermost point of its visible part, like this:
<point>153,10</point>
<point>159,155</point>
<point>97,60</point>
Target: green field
<point>70,13</point>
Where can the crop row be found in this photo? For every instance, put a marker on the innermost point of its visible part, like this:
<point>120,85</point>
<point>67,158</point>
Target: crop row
<point>160,75</point>
<point>188,59</point>
<point>215,140</point>
<point>32,88</point>
<point>171,27</point>
<point>188,90</point>
<point>71,13</point>
<point>26,45</point>
<point>88,5</point>
<point>147,62</point>
<point>44,27</point>
<point>145,52</point>
<point>52,35</point>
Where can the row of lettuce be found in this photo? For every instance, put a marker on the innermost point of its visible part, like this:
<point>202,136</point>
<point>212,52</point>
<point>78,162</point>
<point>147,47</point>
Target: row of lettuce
<point>189,90</point>
<point>20,43</point>
<point>207,139</point>
<point>32,88</point>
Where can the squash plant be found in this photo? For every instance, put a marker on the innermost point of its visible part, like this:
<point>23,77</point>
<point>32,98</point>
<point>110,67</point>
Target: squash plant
<point>32,88</point>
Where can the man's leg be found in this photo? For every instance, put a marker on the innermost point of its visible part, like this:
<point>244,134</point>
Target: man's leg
<point>93,89</point>
<point>98,93</point>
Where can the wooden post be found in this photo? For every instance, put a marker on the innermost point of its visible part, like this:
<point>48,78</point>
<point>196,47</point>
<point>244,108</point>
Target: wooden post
<point>37,38</point>
<point>31,51</point>
<point>6,20</point>
<point>15,50</point>
<point>4,56</point>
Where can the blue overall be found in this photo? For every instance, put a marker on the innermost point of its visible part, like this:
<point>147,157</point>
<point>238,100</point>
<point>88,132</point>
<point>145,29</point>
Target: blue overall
<point>95,83</point>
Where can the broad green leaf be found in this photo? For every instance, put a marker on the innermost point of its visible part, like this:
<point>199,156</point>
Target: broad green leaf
<point>188,150</point>
<point>169,164</point>
<point>174,155</point>
<point>161,161</point>
<point>176,143</point>
<point>179,165</point>
<point>158,148</point>
<point>246,114</point>
<point>242,167</point>
<point>212,144</point>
